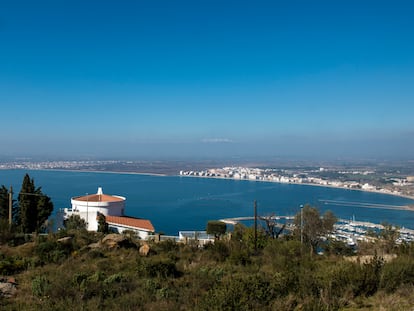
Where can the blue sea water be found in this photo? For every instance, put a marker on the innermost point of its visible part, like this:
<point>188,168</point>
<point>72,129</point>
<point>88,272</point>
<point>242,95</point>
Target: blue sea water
<point>175,203</point>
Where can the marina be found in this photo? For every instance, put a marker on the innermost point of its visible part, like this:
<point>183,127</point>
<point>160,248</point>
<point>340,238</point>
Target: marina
<point>349,231</point>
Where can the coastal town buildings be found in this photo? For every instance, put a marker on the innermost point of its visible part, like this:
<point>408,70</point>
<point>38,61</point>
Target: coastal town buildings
<point>281,176</point>
<point>89,206</point>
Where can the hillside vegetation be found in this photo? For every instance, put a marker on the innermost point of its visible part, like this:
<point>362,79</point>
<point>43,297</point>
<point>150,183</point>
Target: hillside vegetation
<point>80,272</point>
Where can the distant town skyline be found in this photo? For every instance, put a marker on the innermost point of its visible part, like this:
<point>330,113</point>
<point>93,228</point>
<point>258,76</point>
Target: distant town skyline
<point>207,79</point>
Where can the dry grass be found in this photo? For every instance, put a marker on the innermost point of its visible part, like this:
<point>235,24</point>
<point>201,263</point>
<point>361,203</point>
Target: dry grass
<point>199,279</point>
<point>368,258</point>
<point>401,300</point>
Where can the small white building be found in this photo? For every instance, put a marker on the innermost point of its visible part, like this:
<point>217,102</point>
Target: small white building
<point>89,206</point>
<point>368,187</point>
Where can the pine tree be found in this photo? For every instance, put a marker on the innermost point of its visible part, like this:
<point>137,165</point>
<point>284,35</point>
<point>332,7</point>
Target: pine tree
<point>4,203</point>
<point>34,207</point>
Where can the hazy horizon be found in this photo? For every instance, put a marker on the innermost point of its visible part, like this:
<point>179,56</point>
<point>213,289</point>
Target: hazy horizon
<point>207,79</point>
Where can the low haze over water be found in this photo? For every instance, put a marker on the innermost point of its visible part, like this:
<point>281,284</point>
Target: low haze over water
<point>176,203</point>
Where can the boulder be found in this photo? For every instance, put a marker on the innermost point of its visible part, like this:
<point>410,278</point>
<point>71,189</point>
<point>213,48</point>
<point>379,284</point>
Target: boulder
<point>144,250</point>
<point>66,240</point>
<point>8,287</point>
<point>115,240</point>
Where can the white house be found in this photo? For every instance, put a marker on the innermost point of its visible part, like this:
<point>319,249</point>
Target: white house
<point>112,207</point>
<point>143,227</point>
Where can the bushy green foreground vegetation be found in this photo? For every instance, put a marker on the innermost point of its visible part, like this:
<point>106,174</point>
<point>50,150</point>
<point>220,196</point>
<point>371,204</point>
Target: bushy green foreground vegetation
<point>282,274</point>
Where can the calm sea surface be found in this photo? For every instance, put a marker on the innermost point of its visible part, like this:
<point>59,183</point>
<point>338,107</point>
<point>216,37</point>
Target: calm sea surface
<point>176,203</point>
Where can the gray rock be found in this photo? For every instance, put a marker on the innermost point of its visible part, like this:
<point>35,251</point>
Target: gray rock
<point>7,289</point>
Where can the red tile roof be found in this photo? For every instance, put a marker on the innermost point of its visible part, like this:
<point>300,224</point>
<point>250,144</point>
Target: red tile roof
<point>137,223</point>
<point>99,198</point>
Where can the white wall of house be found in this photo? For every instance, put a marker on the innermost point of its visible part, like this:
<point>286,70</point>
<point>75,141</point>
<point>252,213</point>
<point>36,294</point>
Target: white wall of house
<point>106,208</point>
<point>88,210</point>
<point>142,234</point>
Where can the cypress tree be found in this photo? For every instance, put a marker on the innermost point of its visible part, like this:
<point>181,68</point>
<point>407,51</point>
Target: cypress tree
<point>34,207</point>
<point>44,209</point>
<point>4,203</point>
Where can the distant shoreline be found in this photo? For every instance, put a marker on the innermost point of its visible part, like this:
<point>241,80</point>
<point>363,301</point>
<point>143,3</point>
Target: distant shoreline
<point>111,172</point>
<point>87,171</point>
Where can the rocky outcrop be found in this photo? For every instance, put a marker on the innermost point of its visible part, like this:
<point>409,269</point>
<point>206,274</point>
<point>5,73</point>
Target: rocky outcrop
<point>114,240</point>
<point>8,287</point>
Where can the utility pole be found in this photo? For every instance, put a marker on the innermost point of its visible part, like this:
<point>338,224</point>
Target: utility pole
<point>255,226</point>
<point>10,205</point>
<point>301,224</point>
<point>87,211</point>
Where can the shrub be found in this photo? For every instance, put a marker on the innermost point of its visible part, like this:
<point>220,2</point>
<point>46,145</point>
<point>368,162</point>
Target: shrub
<point>217,251</point>
<point>366,279</point>
<point>52,251</point>
<point>396,273</point>
<point>161,268</point>
<point>115,278</point>
<point>336,281</point>
<point>74,222</point>
<point>239,293</point>
<point>240,257</point>
<point>78,279</point>
<point>166,247</point>
<point>116,285</point>
<point>335,247</point>
<point>283,255</point>
<point>12,265</point>
<point>40,286</point>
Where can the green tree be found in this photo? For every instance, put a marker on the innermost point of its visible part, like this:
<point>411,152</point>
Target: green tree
<point>4,203</point>
<point>74,222</point>
<point>251,239</point>
<point>6,231</point>
<point>102,224</point>
<point>34,208</point>
<point>328,221</point>
<point>313,227</point>
<point>389,236</point>
<point>216,227</point>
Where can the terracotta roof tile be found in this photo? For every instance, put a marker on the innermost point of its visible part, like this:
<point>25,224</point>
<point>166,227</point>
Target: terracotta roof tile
<point>99,198</point>
<point>138,223</point>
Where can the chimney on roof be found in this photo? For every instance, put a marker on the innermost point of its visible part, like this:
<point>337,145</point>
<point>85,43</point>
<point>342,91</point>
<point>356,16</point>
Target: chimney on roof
<point>99,190</point>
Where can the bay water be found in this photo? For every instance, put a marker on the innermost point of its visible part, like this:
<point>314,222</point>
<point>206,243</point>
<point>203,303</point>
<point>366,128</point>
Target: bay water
<point>177,203</point>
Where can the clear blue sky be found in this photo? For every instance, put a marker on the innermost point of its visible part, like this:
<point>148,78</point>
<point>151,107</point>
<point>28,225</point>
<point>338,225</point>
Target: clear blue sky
<point>207,78</point>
